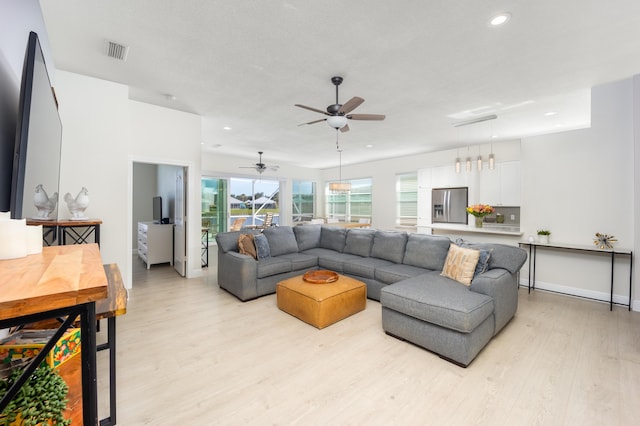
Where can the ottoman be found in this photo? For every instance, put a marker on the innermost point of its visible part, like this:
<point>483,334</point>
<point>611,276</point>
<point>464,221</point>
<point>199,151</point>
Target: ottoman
<point>321,304</point>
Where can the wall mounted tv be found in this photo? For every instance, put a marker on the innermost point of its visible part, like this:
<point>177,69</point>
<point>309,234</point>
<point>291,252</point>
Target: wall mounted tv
<point>36,157</point>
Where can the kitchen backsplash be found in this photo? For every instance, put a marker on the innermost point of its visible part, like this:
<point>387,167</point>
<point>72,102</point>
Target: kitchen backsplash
<point>511,215</point>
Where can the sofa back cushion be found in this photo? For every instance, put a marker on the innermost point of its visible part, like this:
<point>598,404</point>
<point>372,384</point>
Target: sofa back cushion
<point>281,240</point>
<point>389,245</point>
<point>426,251</point>
<point>359,242</point>
<point>333,238</point>
<point>227,241</point>
<point>307,236</point>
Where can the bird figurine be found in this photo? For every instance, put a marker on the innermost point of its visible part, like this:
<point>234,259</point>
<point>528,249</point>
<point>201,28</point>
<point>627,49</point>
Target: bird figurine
<point>44,204</point>
<point>77,205</point>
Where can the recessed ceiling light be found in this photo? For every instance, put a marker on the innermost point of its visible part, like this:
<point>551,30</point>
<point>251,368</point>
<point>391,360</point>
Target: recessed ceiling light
<point>550,113</point>
<point>369,146</point>
<point>226,128</point>
<point>500,19</point>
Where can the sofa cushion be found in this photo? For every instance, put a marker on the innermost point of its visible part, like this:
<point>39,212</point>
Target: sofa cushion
<point>389,245</point>
<point>394,272</point>
<point>273,266</point>
<point>438,300</point>
<point>364,267</point>
<point>461,264</point>
<point>307,236</point>
<point>227,241</point>
<point>483,260</point>
<point>334,261</point>
<point>281,239</point>
<point>262,246</point>
<point>426,251</point>
<point>359,242</point>
<point>300,261</point>
<point>333,238</point>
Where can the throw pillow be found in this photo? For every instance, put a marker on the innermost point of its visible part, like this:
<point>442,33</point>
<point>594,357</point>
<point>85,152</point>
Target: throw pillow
<point>247,246</point>
<point>262,246</point>
<point>483,260</point>
<point>460,264</point>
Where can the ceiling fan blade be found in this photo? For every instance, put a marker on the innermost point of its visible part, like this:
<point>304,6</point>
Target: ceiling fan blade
<point>313,122</point>
<point>344,128</point>
<point>351,104</point>
<point>376,117</point>
<point>312,109</point>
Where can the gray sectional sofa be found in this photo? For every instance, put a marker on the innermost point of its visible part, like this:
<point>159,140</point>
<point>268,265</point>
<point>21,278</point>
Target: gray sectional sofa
<point>402,271</point>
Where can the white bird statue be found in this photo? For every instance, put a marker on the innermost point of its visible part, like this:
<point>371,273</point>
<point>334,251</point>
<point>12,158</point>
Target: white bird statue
<point>77,205</point>
<point>44,204</point>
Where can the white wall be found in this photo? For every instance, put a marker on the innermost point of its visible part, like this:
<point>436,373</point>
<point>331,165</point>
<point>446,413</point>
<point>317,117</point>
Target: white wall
<point>104,133</point>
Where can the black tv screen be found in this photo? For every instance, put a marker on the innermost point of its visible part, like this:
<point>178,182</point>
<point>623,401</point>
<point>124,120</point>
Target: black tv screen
<point>157,209</point>
<point>36,159</point>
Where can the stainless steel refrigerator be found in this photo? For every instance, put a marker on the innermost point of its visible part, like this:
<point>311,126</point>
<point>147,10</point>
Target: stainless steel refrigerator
<point>449,205</point>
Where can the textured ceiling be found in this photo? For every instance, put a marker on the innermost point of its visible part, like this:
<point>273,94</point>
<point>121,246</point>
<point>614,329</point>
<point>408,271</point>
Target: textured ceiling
<point>426,65</point>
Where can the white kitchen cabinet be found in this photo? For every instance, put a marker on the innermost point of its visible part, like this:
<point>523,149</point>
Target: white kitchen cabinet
<point>155,243</point>
<point>501,186</point>
<point>446,177</point>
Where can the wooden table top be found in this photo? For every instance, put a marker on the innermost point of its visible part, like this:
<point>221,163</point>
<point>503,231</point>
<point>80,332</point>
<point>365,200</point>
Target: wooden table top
<point>59,277</point>
<point>116,303</point>
<point>67,222</point>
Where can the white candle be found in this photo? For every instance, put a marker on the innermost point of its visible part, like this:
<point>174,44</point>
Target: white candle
<point>13,238</point>
<point>34,239</point>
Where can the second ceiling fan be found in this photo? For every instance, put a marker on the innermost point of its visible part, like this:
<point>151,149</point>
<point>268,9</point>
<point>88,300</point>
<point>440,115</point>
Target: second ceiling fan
<point>338,114</point>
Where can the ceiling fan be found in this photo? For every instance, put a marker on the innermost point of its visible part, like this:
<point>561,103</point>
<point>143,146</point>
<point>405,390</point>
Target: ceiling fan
<point>338,114</point>
<point>260,167</point>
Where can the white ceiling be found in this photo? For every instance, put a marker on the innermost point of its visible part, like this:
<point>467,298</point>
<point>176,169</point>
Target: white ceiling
<point>425,64</point>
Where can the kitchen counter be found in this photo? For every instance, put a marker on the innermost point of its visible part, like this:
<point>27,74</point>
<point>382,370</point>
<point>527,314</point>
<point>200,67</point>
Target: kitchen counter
<point>488,228</point>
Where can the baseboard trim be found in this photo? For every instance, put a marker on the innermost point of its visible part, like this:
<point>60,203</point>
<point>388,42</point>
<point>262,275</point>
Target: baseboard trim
<point>598,296</point>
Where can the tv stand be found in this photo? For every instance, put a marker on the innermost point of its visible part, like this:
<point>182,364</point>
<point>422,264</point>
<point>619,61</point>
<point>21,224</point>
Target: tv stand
<point>155,243</point>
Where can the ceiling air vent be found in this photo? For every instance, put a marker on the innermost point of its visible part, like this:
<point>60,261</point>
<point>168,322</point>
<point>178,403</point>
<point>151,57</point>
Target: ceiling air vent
<point>117,50</point>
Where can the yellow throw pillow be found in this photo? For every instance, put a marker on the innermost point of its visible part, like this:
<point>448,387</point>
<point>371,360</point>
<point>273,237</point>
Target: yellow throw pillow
<point>246,245</point>
<point>460,264</point>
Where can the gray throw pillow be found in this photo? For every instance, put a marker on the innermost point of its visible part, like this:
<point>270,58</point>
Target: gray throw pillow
<point>262,246</point>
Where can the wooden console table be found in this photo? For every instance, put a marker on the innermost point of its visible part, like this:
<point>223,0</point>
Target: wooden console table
<point>78,231</point>
<point>62,281</point>
<point>533,246</point>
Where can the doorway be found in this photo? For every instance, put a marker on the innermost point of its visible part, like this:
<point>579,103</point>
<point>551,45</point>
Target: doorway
<point>168,182</point>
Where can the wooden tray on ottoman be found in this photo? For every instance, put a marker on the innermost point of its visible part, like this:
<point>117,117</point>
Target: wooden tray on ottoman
<point>321,276</point>
<point>321,305</point>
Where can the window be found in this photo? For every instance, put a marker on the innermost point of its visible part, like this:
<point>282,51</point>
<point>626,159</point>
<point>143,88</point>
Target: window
<point>214,205</point>
<point>353,205</point>
<point>253,199</point>
<point>407,199</point>
<point>303,196</point>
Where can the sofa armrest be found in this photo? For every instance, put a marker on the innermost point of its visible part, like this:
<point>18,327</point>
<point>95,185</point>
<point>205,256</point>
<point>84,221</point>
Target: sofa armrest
<point>500,285</point>
<point>237,273</point>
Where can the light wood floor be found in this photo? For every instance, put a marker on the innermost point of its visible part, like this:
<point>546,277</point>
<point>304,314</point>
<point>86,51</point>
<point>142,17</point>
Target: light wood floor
<point>191,354</point>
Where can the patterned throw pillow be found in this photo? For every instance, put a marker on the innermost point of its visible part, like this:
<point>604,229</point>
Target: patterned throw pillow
<point>247,246</point>
<point>262,246</point>
<point>460,264</point>
<point>483,260</point>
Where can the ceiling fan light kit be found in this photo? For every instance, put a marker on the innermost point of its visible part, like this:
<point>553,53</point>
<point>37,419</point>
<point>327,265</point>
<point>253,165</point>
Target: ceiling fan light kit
<point>338,114</point>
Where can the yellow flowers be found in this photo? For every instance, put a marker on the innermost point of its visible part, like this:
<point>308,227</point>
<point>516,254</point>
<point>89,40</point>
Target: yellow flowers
<point>480,210</point>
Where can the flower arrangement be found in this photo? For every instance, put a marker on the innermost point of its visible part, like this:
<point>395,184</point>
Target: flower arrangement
<point>480,210</point>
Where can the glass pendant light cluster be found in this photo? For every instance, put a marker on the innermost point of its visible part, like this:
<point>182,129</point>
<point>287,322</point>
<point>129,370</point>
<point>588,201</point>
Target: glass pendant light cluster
<point>479,161</point>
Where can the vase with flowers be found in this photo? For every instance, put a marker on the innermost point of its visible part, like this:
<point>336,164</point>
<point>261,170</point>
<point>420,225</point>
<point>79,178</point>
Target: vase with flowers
<point>479,211</point>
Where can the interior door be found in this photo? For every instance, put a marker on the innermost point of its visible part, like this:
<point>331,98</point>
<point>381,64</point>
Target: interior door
<point>179,230</point>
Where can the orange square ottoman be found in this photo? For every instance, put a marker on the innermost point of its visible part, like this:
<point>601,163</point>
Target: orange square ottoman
<point>321,304</point>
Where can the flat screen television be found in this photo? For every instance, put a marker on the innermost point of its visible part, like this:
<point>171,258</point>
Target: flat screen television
<point>36,156</point>
<point>157,209</point>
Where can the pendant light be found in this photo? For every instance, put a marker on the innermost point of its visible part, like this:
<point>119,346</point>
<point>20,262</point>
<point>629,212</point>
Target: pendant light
<point>479,160</point>
<point>458,163</point>
<point>340,186</point>
<point>492,160</point>
<point>468,161</point>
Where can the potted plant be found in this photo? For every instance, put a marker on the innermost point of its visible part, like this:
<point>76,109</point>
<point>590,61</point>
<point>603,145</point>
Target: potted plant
<point>479,211</point>
<point>42,400</point>
<point>543,236</point>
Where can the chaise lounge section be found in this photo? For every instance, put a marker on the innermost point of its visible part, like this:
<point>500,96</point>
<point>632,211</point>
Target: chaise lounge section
<point>448,298</point>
